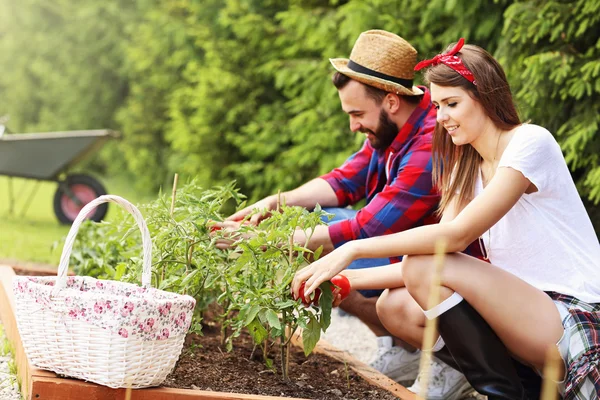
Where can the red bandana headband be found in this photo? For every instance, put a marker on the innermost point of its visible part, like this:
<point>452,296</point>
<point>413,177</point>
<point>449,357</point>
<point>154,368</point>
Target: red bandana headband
<point>451,61</point>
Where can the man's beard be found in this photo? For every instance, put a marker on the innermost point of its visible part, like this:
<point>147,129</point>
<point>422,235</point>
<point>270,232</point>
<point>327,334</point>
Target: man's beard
<point>385,134</point>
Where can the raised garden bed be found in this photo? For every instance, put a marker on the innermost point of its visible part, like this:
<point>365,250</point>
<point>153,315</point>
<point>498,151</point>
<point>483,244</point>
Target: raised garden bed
<point>44,385</point>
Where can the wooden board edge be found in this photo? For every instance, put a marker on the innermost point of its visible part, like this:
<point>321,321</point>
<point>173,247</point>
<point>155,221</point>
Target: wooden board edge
<point>10,328</point>
<point>46,388</point>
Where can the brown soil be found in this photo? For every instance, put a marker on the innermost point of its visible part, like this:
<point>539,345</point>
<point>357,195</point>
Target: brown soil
<point>243,371</point>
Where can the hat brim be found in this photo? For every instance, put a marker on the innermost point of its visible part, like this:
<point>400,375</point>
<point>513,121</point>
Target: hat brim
<point>341,65</point>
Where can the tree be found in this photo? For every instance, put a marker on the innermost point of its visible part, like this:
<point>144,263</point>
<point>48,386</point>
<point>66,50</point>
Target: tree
<point>552,50</point>
<point>61,63</point>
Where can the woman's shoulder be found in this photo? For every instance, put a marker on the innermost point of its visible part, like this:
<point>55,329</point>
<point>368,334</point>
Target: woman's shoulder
<point>532,143</point>
<point>533,136</point>
<point>534,130</point>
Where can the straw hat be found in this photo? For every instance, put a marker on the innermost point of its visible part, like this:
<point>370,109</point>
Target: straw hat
<point>383,60</point>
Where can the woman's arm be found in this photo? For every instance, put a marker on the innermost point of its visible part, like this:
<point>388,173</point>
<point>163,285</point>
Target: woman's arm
<point>502,193</point>
<point>390,276</point>
<point>384,277</point>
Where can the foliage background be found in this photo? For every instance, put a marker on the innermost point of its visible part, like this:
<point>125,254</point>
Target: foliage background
<point>240,89</point>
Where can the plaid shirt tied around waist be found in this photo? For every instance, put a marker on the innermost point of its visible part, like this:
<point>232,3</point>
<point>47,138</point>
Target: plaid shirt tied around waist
<point>582,329</point>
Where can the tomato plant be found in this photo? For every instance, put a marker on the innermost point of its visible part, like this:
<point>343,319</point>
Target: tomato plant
<point>259,281</point>
<point>184,257</point>
<point>249,282</point>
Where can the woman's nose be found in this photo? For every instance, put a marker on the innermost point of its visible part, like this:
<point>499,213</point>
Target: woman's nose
<point>441,116</point>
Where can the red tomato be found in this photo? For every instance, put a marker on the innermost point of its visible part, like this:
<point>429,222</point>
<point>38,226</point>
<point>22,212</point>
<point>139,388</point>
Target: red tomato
<point>215,228</point>
<point>338,282</point>
<point>343,283</point>
<point>307,301</point>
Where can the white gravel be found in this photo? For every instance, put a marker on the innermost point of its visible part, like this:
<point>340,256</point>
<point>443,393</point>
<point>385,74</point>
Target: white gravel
<point>9,389</point>
<point>348,333</point>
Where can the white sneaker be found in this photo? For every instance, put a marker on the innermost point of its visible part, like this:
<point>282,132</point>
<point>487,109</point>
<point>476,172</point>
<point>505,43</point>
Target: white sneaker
<point>445,383</point>
<point>394,361</point>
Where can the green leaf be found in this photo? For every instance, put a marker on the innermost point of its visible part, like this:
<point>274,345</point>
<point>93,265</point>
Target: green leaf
<point>257,331</point>
<point>318,252</point>
<point>311,335</point>
<point>189,277</point>
<point>252,313</point>
<point>325,303</point>
<point>120,270</point>
<point>273,319</point>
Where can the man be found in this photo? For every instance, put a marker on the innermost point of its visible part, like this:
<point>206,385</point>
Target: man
<point>392,172</point>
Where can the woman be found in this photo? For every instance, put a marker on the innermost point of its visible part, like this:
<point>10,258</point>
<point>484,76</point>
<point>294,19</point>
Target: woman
<point>506,183</point>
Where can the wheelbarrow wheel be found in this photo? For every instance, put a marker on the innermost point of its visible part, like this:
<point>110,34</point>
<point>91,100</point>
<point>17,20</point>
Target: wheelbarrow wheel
<point>75,192</point>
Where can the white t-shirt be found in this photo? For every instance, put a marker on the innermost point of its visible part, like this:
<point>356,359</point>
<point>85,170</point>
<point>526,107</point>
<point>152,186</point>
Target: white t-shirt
<point>547,238</point>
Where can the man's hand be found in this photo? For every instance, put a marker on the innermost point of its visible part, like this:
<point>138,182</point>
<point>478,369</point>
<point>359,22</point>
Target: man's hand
<point>229,232</point>
<point>260,209</point>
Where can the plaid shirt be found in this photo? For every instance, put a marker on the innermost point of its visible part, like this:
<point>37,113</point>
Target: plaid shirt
<point>582,330</point>
<point>398,200</point>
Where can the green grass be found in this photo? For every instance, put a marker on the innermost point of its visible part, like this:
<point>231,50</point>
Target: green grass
<point>7,349</point>
<point>31,237</point>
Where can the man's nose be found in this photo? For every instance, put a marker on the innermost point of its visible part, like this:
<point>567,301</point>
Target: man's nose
<point>355,126</point>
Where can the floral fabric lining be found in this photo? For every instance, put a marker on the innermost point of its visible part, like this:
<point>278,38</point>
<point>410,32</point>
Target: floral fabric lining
<point>125,309</point>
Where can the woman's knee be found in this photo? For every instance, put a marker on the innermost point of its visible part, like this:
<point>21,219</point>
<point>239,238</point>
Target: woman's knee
<point>415,272</point>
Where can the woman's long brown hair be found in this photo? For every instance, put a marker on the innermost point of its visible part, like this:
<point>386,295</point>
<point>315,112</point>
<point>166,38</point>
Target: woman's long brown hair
<point>455,168</point>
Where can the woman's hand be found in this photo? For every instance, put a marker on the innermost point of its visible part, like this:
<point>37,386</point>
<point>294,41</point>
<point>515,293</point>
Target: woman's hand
<point>322,270</point>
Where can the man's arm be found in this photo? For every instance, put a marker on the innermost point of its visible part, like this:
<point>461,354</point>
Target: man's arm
<point>342,186</point>
<point>409,200</point>
<point>347,185</point>
<point>320,237</point>
<point>316,191</point>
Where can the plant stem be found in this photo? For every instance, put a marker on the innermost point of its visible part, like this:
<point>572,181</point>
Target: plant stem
<point>173,195</point>
<point>283,347</point>
<point>347,372</point>
<point>287,353</point>
<point>278,199</point>
<point>291,254</point>
<point>266,349</point>
<point>224,328</point>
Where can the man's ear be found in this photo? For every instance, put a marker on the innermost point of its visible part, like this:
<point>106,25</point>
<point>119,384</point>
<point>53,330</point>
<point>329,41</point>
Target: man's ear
<point>392,103</point>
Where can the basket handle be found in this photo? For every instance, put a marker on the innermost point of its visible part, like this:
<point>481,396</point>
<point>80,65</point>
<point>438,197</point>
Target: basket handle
<point>61,281</point>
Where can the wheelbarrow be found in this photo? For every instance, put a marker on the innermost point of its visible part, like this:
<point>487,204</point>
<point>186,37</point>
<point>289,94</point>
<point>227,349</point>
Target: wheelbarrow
<point>47,157</point>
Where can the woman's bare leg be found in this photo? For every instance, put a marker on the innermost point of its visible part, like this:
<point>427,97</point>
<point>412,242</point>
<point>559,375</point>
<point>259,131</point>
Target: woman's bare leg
<point>523,317</point>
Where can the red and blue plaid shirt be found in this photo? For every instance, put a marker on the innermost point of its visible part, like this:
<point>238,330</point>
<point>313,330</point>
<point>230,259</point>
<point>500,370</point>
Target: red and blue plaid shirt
<point>398,200</point>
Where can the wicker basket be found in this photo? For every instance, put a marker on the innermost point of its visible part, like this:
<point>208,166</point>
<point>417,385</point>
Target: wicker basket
<point>108,332</point>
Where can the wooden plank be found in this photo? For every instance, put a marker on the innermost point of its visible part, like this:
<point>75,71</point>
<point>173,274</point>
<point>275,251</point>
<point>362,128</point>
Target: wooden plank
<point>72,389</point>
<point>7,304</point>
<point>36,269</point>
